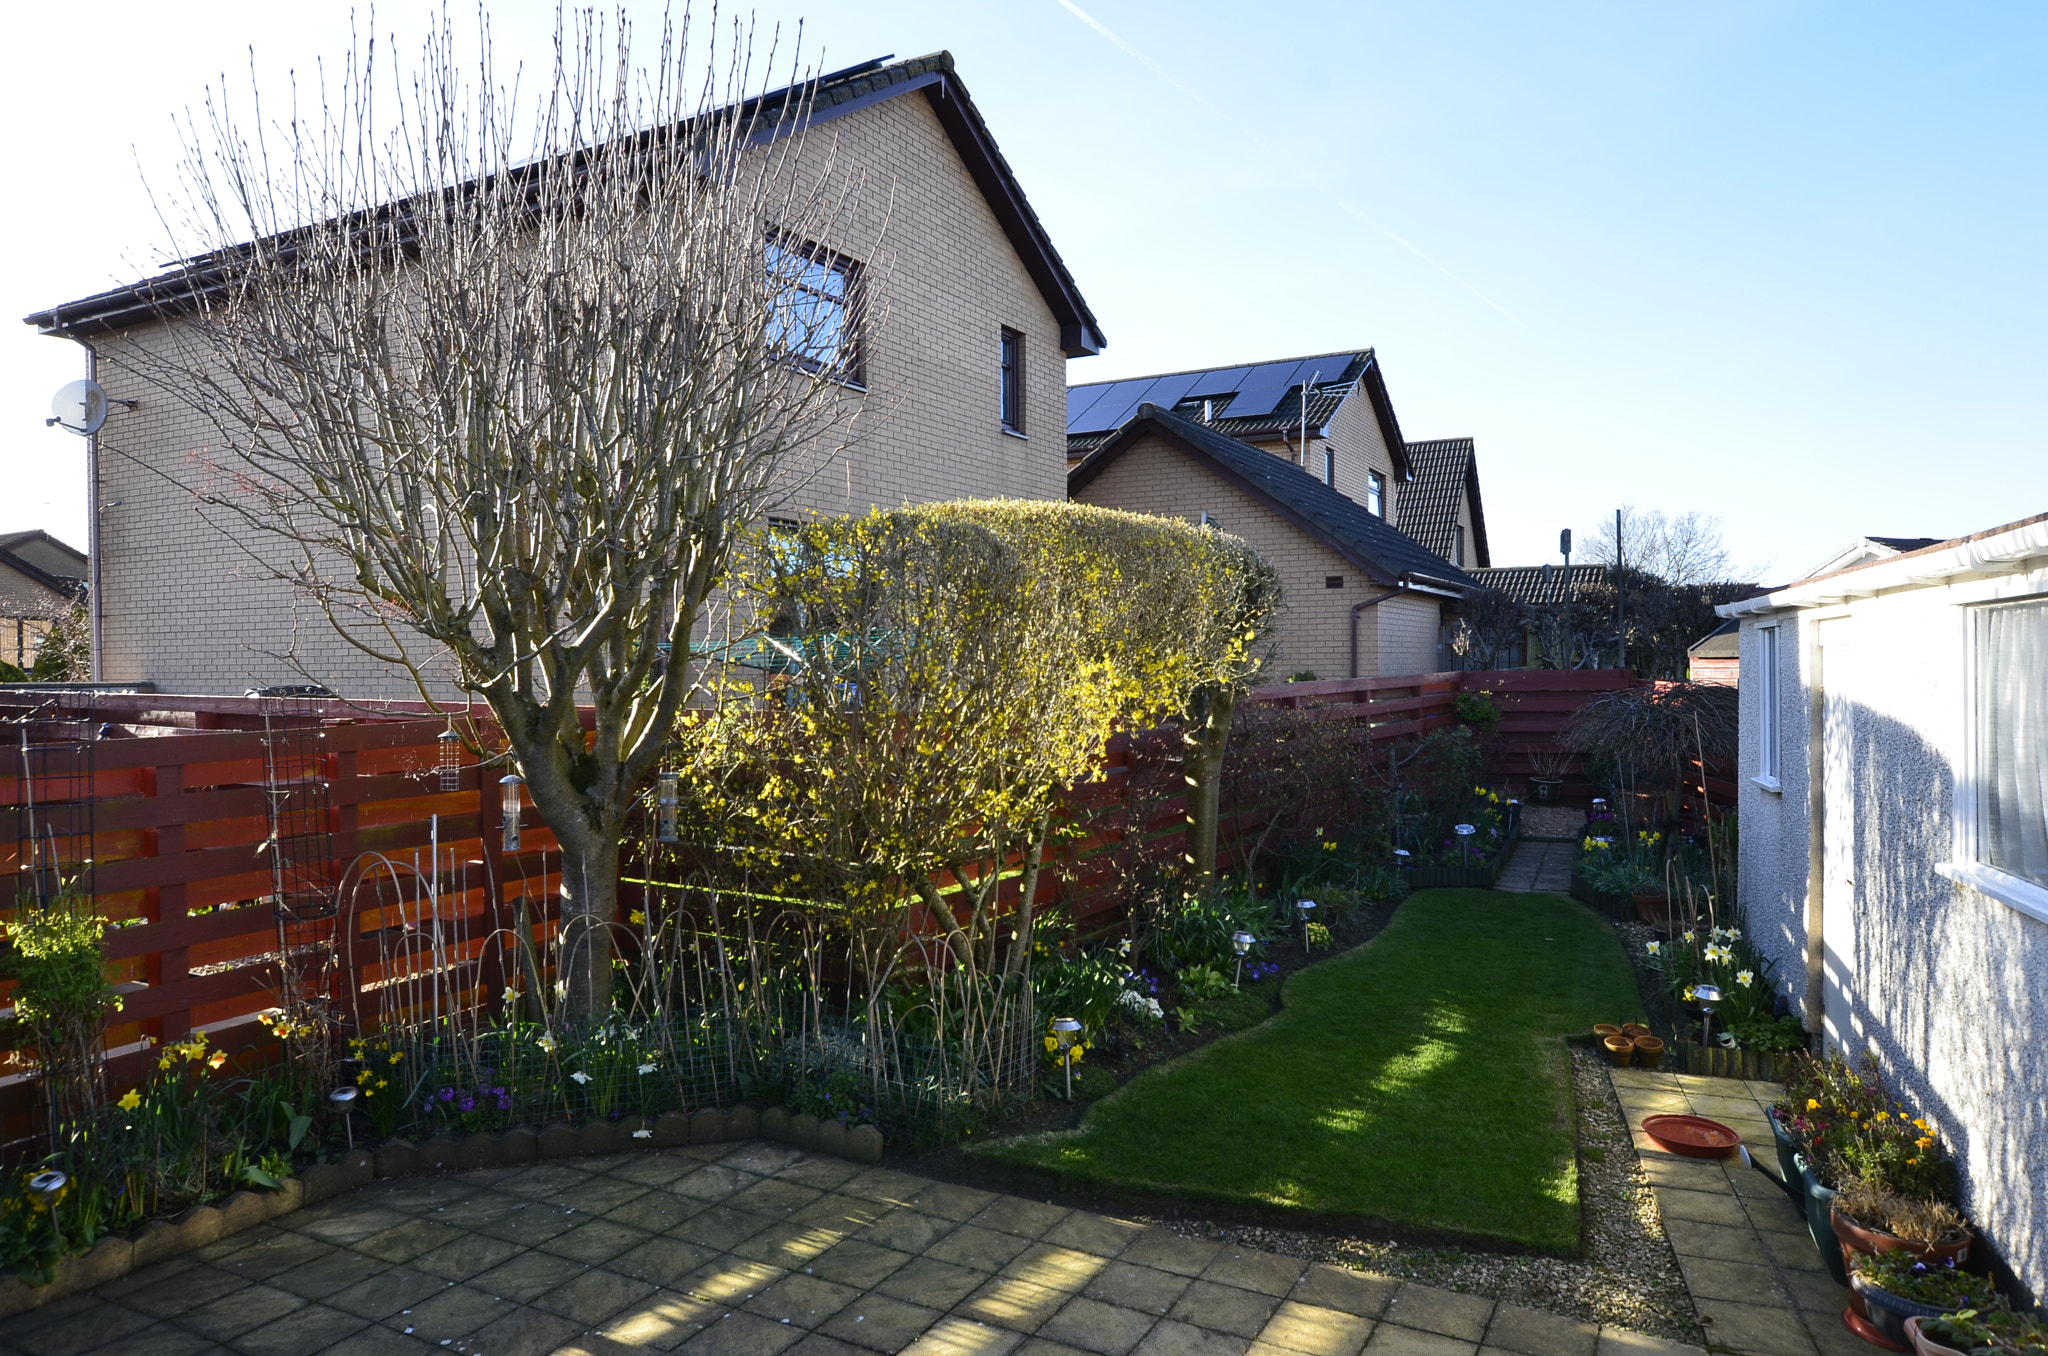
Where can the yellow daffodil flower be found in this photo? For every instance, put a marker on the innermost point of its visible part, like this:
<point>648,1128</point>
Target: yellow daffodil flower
<point>131,1101</point>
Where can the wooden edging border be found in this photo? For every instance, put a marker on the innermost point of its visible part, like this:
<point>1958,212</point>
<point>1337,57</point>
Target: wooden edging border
<point>158,1239</point>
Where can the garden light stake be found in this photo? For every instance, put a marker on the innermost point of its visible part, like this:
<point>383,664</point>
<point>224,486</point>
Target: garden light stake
<point>343,1100</point>
<point>48,1189</point>
<point>1242,942</point>
<point>1707,995</point>
<point>1065,1028</point>
<point>1304,907</point>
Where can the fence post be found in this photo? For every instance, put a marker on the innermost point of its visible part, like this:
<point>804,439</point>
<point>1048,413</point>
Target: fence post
<point>171,966</point>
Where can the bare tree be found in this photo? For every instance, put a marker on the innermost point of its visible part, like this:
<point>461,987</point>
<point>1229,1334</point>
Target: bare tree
<point>1684,548</point>
<point>500,381</point>
<point>1492,629</point>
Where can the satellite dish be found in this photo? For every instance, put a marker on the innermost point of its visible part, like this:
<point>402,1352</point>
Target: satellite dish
<point>80,407</point>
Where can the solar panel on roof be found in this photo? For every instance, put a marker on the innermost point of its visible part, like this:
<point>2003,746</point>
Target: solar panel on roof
<point>1079,398</point>
<point>1222,381</point>
<point>1116,406</point>
<point>1170,391</point>
<point>1261,390</point>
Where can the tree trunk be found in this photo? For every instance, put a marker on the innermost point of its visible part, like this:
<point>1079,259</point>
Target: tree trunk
<point>1020,946</point>
<point>590,900</point>
<point>1205,777</point>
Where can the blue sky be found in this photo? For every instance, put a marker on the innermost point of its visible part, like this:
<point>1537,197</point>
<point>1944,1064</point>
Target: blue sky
<point>1780,263</point>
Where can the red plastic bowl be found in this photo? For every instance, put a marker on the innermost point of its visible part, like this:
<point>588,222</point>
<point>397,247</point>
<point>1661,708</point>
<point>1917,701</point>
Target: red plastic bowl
<point>1693,1136</point>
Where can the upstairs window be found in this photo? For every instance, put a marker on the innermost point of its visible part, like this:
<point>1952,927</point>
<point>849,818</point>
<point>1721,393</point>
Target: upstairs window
<point>1013,380</point>
<point>1329,467</point>
<point>1376,494</point>
<point>1458,545</point>
<point>814,302</point>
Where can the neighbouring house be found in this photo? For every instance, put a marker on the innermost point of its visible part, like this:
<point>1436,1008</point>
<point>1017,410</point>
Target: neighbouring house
<point>40,578</point>
<point>1544,587</point>
<point>1363,597</point>
<point>967,360</point>
<point>1717,656</point>
<point>1329,414</point>
<point>1864,550</point>
<point>1894,850</point>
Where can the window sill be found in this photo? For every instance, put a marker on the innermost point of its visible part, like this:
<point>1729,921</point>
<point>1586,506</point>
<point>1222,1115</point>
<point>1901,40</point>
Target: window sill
<point>2022,896</point>
<point>1009,432</point>
<point>1770,784</point>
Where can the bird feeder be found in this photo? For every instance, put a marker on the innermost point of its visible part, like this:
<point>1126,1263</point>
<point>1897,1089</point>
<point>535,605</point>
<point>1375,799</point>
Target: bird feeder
<point>668,794</point>
<point>1064,1030</point>
<point>450,759</point>
<point>508,791</point>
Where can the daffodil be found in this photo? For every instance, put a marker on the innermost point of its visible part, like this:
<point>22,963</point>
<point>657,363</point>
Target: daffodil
<point>131,1101</point>
<point>1813,1104</point>
<point>646,1068</point>
<point>220,1057</point>
<point>1656,948</point>
<point>1743,977</point>
<point>580,1077</point>
<point>547,1044</point>
<point>636,917</point>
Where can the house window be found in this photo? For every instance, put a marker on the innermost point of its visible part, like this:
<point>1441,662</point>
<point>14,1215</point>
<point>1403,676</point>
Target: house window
<point>1329,467</point>
<point>1013,381</point>
<point>1458,545</point>
<point>813,316</point>
<point>1376,494</point>
<point>1767,707</point>
<point>2010,740</point>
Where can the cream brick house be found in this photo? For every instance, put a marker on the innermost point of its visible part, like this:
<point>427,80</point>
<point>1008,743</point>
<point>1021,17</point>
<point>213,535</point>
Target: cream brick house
<point>1363,598</point>
<point>40,578</point>
<point>961,369</point>
<point>1328,413</point>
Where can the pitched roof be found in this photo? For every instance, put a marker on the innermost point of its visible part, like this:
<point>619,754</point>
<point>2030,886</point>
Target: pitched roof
<point>1903,544</point>
<point>1265,396</point>
<point>835,96</point>
<point>1539,584</point>
<point>1381,550</point>
<point>39,550</point>
<point>1446,475</point>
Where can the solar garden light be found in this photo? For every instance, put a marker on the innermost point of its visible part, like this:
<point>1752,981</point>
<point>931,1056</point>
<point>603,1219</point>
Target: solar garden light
<point>508,792</point>
<point>1707,995</point>
<point>48,1189</point>
<point>1242,941</point>
<point>343,1099</point>
<point>1403,854</point>
<point>668,794</point>
<point>1064,1029</point>
<point>1304,907</point>
<point>450,744</point>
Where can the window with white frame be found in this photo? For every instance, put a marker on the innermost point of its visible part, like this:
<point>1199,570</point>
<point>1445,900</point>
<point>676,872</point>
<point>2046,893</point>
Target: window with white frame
<point>1767,705</point>
<point>1329,467</point>
<point>2009,739</point>
<point>1376,494</point>
<point>814,303</point>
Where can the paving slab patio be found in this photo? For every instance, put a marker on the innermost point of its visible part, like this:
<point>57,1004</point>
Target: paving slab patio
<point>1756,1279</point>
<point>757,1250</point>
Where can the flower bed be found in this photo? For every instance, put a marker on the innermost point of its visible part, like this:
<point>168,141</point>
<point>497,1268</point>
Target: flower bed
<point>1481,875</point>
<point>1472,853</point>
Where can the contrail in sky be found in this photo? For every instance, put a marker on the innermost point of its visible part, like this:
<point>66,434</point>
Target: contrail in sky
<point>1149,64</point>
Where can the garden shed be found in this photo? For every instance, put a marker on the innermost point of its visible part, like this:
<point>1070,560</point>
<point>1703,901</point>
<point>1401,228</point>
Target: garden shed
<point>1894,856</point>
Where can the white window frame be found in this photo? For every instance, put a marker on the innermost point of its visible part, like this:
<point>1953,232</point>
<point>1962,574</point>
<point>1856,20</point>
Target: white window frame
<point>1966,865</point>
<point>1769,708</point>
<point>1376,494</point>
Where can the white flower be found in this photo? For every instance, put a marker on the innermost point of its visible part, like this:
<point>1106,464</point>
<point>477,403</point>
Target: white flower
<point>646,1068</point>
<point>1734,934</point>
<point>1743,977</point>
<point>643,1134</point>
<point>561,988</point>
<point>1656,948</point>
<point>1689,935</point>
<point>546,1043</point>
<point>580,1077</point>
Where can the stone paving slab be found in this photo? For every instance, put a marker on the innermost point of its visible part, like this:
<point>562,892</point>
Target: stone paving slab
<point>1536,865</point>
<point>1757,1281</point>
<point>757,1250</point>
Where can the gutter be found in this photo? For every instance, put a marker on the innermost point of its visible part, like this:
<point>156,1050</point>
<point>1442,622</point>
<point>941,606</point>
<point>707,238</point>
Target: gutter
<point>1995,552</point>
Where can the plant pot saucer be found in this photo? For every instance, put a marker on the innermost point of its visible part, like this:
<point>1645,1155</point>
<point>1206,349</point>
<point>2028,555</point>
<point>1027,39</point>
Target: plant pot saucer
<point>1867,1330</point>
<point>1692,1136</point>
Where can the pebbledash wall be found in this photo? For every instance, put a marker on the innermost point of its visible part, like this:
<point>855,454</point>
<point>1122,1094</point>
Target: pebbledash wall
<point>1313,629</point>
<point>191,606</point>
<point>1867,908</point>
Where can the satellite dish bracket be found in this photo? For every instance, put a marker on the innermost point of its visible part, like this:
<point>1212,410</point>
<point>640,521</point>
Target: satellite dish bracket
<point>58,418</point>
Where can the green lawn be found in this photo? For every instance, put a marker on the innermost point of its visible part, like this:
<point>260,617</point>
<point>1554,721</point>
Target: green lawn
<point>1418,1080</point>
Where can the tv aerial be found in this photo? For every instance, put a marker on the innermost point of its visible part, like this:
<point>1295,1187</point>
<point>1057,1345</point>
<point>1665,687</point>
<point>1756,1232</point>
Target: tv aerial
<point>81,407</point>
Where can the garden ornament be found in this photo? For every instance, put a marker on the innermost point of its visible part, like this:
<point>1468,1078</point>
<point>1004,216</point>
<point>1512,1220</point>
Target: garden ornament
<point>1304,907</point>
<point>343,1099</point>
<point>1066,1028</point>
<point>1707,995</point>
<point>667,796</point>
<point>48,1189</point>
<point>1242,943</point>
<point>508,791</point>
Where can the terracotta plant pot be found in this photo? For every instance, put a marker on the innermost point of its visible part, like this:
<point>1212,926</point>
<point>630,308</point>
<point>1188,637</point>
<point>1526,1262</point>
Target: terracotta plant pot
<point>1925,1345</point>
<point>1620,1050</point>
<point>1636,1030</point>
<point>1653,907</point>
<point>1649,1052</point>
<point>1602,1030</point>
<point>1856,1238</point>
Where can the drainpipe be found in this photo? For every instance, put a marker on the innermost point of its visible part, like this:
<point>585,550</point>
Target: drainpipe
<point>92,526</point>
<point>1356,609</point>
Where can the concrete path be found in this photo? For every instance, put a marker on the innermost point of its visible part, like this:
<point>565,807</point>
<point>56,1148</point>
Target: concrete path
<point>1741,1241</point>
<point>759,1250</point>
<point>1538,865</point>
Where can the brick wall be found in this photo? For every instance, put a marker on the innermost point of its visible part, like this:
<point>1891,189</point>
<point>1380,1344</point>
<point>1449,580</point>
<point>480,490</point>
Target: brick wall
<point>194,608</point>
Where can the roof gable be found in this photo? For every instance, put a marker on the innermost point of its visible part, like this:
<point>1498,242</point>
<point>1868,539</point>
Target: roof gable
<point>1382,551</point>
<point>836,96</point>
<point>1446,473</point>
